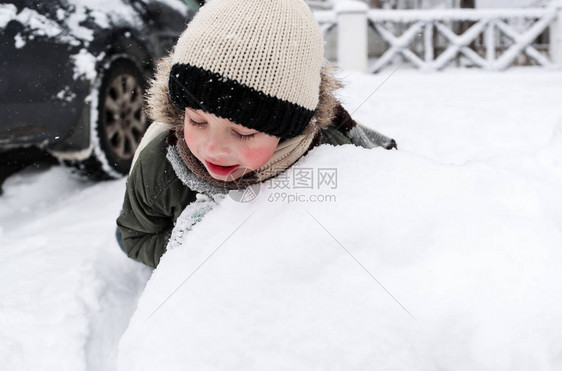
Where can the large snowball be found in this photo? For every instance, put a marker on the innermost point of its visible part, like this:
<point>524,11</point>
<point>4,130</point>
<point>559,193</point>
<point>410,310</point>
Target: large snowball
<point>410,265</point>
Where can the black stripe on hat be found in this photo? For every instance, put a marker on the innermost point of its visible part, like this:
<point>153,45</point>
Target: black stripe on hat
<point>197,88</point>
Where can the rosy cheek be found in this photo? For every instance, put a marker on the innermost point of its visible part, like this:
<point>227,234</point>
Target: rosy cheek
<point>257,157</point>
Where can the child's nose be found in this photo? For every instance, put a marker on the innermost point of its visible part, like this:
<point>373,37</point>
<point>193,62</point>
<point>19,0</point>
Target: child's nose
<point>218,142</point>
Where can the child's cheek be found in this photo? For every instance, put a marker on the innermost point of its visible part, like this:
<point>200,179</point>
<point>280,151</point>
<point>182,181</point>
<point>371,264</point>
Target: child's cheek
<point>258,156</point>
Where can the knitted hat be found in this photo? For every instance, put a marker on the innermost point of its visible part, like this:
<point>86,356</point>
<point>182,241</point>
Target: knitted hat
<point>255,63</point>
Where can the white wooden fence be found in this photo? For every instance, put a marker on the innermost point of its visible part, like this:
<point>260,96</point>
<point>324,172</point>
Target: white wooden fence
<point>414,35</point>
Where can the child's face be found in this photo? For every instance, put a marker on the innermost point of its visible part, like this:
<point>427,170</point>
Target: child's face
<point>218,141</point>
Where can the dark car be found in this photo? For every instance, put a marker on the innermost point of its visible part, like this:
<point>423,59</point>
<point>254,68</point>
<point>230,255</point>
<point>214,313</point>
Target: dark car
<point>73,74</point>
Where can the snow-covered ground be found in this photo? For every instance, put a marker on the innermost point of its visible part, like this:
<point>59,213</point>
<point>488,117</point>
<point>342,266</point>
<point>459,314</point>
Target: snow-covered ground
<point>462,226</point>
<point>67,290</point>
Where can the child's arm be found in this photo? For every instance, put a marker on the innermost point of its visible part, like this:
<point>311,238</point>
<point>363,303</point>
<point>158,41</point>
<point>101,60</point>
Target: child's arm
<point>366,137</point>
<point>359,134</point>
<point>152,203</point>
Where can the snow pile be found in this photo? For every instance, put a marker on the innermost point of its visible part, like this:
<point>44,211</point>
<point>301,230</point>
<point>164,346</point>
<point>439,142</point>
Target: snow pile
<point>405,263</point>
<point>67,290</point>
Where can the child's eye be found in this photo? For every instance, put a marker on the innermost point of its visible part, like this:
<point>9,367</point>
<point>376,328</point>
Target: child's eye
<point>244,137</point>
<point>197,124</point>
<point>240,136</point>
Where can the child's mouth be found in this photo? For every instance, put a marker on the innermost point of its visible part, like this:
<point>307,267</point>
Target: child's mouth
<point>219,169</point>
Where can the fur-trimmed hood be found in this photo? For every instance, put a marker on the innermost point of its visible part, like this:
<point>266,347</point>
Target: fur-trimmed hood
<point>160,107</point>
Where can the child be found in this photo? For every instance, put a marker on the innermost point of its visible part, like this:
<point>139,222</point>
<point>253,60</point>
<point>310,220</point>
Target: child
<point>244,94</point>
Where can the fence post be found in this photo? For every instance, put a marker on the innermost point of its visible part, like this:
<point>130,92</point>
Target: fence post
<point>352,34</point>
<point>556,34</point>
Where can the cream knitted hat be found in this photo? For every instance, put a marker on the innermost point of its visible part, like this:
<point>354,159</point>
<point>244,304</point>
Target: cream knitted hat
<point>256,63</point>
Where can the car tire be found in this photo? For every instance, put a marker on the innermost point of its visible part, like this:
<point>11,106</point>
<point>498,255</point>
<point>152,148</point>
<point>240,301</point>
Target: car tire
<point>119,122</point>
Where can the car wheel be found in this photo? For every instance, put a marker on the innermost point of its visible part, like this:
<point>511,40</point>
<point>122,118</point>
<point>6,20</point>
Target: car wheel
<point>121,122</point>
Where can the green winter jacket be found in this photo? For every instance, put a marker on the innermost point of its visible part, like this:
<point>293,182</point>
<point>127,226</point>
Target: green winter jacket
<point>155,195</point>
